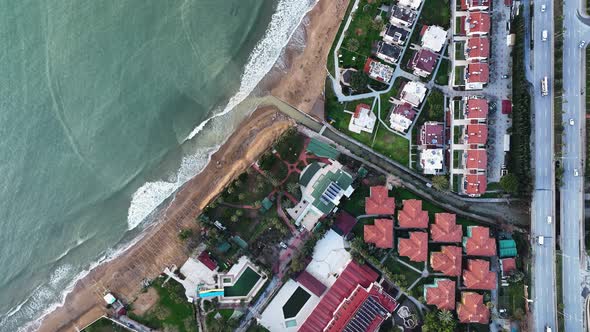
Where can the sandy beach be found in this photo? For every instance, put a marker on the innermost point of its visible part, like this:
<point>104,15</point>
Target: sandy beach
<point>302,86</point>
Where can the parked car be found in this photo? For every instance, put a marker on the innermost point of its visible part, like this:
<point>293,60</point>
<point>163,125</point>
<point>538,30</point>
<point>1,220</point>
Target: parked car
<point>576,173</point>
<point>505,76</point>
<point>283,245</point>
<point>582,43</point>
<point>572,122</point>
<point>543,8</point>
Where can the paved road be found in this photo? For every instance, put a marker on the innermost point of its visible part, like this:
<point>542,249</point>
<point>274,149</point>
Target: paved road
<point>544,287</point>
<point>572,204</point>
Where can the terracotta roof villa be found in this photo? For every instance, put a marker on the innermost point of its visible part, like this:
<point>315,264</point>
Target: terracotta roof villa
<point>363,310</point>
<point>478,275</point>
<point>441,294</point>
<point>353,275</point>
<point>447,261</point>
<point>423,62</point>
<point>478,242</point>
<point>412,215</point>
<point>415,248</point>
<point>379,201</point>
<point>445,228</point>
<point>478,23</point>
<point>477,134</point>
<point>478,48</point>
<point>508,266</point>
<point>475,184</point>
<point>432,133</point>
<point>472,310</point>
<point>477,159</point>
<point>381,233</point>
<point>477,108</point>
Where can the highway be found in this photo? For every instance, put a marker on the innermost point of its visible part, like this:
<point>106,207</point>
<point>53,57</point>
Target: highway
<point>572,204</point>
<point>544,287</point>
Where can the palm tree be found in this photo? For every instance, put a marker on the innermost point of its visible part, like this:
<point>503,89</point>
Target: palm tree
<point>234,218</point>
<point>445,316</point>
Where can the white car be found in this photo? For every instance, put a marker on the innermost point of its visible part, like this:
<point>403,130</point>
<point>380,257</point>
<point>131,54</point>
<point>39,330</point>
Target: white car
<point>582,43</point>
<point>576,173</point>
<point>543,8</point>
<point>283,245</point>
<point>572,122</point>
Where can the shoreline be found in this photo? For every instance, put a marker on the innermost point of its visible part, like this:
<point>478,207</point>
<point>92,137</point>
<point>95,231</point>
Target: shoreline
<point>299,85</point>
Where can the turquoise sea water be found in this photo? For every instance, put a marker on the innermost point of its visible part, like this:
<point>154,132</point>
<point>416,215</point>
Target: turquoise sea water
<point>97,99</point>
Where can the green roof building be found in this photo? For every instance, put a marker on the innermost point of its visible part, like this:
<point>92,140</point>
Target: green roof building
<point>508,248</point>
<point>322,188</point>
<point>322,149</point>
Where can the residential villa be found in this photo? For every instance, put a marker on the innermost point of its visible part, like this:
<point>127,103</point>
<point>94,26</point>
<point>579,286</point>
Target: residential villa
<point>378,71</point>
<point>472,309</point>
<point>477,159</point>
<point>380,234</point>
<point>433,37</point>
<point>477,76</point>
<point>478,242</point>
<point>476,108</point>
<point>475,5</point>
<point>401,117</point>
<point>432,160</point>
<point>412,215</point>
<point>424,62</point>
<point>441,294</point>
<point>415,247</point>
<point>445,229</point>
<point>322,188</point>
<point>379,202</point>
<point>413,93</point>
<point>432,134</point>
<point>477,49</point>
<point>363,119</point>
<point>388,52</point>
<point>475,185</point>
<point>447,261</point>
<point>477,24</point>
<point>395,35</point>
<point>413,4</point>
<point>402,17</point>
<point>478,275</point>
<point>477,134</point>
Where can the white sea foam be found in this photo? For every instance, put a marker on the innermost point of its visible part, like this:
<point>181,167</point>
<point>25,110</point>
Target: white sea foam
<point>283,24</point>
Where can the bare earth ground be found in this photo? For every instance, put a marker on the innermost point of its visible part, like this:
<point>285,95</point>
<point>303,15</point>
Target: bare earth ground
<point>302,87</point>
<point>145,301</point>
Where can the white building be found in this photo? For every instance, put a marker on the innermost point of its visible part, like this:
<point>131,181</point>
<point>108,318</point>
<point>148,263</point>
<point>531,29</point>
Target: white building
<point>322,188</point>
<point>434,38</point>
<point>413,93</point>
<point>414,4</point>
<point>431,161</point>
<point>362,119</point>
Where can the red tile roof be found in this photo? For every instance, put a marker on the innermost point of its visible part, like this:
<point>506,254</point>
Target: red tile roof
<point>478,275</point>
<point>344,222</point>
<point>352,312</point>
<point>359,108</point>
<point>478,22</point>
<point>353,275</point>
<point>476,184</point>
<point>412,215</point>
<point>478,47</point>
<point>311,283</point>
<point>447,261</point>
<point>477,133</point>
<point>445,228</point>
<point>508,265</point>
<point>432,133</point>
<point>480,243</point>
<point>477,159</point>
<point>478,73</point>
<point>477,108</point>
<point>416,247</point>
<point>442,294</point>
<point>404,110</point>
<point>207,260</point>
<point>506,106</point>
<point>379,202</point>
<point>381,233</point>
<point>472,310</point>
<point>467,4</point>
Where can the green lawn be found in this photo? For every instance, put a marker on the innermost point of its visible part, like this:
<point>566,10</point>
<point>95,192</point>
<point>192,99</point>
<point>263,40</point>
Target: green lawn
<point>442,76</point>
<point>459,50</point>
<point>290,145</point>
<point>393,146</point>
<point>172,312</point>
<point>244,284</point>
<point>355,205</point>
<point>363,29</point>
<point>394,92</point>
<point>351,59</point>
<point>398,268</point>
<point>436,12</point>
<point>459,75</point>
<point>104,325</point>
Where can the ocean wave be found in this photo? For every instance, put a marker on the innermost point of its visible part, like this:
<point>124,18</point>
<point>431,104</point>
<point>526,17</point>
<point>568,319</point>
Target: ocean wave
<point>283,25</point>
